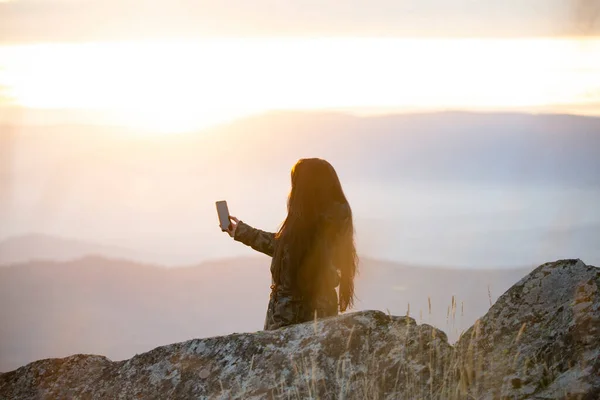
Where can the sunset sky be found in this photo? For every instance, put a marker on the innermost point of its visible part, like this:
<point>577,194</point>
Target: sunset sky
<point>177,66</point>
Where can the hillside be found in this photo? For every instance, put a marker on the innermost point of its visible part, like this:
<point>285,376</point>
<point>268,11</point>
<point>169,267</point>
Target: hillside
<point>119,308</point>
<point>540,340</point>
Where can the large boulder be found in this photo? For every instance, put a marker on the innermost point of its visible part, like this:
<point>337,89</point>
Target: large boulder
<point>360,355</point>
<point>540,340</point>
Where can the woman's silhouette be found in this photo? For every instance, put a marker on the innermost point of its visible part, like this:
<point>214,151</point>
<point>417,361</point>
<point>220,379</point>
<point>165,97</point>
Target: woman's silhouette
<point>313,251</point>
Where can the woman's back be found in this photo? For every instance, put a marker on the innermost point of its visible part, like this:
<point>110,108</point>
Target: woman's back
<point>313,252</point>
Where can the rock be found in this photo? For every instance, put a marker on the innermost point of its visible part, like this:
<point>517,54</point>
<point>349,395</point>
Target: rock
<point>351,356</point>
<point>541,340</point>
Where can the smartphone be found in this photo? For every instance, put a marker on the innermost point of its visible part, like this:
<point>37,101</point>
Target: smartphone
<point>223,213</point>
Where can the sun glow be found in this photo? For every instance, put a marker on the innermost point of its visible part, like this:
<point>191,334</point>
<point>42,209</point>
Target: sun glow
<point>188,85</point>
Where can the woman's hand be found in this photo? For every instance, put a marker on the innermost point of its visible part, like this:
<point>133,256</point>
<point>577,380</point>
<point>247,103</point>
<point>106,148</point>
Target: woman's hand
<point>232,225</point>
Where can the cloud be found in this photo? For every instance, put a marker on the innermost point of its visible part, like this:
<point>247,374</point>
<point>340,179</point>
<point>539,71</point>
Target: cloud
<point>83,20</point>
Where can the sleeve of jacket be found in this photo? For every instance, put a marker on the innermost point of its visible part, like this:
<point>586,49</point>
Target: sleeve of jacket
<point>259,240</point>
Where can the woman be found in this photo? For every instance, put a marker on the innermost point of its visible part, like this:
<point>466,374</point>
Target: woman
<point>313,251</point>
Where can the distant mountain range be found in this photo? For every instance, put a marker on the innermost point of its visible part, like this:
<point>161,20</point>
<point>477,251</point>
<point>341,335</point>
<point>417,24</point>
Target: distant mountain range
<point>505,172</point>
<point>119,308</point>
<point>438,146</point>
<point>454,146</point>
<point>32,247</point>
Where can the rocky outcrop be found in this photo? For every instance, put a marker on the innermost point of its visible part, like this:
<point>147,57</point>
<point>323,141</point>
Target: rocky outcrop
<point>540,340</point>
<point>355,355</point>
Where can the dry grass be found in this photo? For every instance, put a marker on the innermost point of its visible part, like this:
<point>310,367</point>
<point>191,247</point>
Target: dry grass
<point>367,380</point>
<point>451,376</point>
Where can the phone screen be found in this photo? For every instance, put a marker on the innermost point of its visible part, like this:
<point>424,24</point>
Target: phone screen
<point>223,212</point>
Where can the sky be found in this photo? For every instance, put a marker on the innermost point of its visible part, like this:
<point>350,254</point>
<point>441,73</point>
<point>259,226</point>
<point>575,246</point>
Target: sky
<point>169,66</point>
<point>84,20</point>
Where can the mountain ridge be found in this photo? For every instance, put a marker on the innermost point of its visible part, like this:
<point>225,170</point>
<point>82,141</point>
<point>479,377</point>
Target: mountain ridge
<point>119,307</point>
<point>119,253</point>
<point>41,246</point>
<point>342,113</point>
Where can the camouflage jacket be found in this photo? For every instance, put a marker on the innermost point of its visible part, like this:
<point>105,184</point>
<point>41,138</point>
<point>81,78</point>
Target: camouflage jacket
<point>285,308</point>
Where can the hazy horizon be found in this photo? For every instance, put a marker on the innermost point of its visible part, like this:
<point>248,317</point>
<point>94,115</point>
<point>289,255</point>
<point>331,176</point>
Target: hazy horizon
<point>483,190</point>
<point>201,83</point>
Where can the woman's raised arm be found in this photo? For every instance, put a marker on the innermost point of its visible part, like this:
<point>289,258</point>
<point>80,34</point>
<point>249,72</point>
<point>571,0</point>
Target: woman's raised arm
<point>259,240</point>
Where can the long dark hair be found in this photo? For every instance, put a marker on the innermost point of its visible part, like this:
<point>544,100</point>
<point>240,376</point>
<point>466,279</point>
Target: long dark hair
<point>318,230</point>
